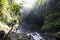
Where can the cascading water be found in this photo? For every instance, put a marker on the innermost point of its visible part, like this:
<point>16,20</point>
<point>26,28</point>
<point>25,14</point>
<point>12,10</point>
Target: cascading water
<point>30,8</point>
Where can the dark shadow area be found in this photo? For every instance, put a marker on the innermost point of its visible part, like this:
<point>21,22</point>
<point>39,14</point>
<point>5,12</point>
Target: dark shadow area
<point>2,34</point>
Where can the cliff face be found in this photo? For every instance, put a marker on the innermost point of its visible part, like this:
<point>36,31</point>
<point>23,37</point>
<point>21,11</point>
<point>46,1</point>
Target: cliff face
<point>52,18</point>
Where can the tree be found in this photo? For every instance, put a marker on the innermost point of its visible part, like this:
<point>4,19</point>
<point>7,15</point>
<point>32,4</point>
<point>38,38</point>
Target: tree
<point>10,15</point>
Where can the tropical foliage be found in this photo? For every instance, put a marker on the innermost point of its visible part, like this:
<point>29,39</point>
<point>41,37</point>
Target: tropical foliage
<point>10,14</point>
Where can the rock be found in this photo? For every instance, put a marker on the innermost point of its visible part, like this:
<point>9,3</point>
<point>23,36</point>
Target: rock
<point>13,36</point>
<point>2,33</point>
<point>57,38</point>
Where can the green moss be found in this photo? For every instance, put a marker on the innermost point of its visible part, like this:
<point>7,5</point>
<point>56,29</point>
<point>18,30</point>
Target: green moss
<point>57,34</point>
<point>21,37</point>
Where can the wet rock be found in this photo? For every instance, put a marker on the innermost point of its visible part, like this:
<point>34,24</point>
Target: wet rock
<point>57,38</point>
<point>2,33</point>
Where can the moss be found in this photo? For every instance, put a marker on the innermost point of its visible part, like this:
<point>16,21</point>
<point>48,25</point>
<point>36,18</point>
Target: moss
<point>21,37</point>
<point>57,34</point>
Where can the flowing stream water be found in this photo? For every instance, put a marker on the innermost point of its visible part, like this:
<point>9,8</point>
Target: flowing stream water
<point>32,7</point>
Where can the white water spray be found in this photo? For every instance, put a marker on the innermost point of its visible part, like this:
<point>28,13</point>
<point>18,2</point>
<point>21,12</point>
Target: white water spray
<point>27,6</point>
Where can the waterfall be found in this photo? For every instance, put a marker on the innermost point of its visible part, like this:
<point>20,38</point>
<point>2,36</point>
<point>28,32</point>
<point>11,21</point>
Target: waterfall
<point>30,8</point>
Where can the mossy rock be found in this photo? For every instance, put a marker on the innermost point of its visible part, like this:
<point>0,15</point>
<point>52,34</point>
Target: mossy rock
<point>57,34</point>
<point>20,37</point>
